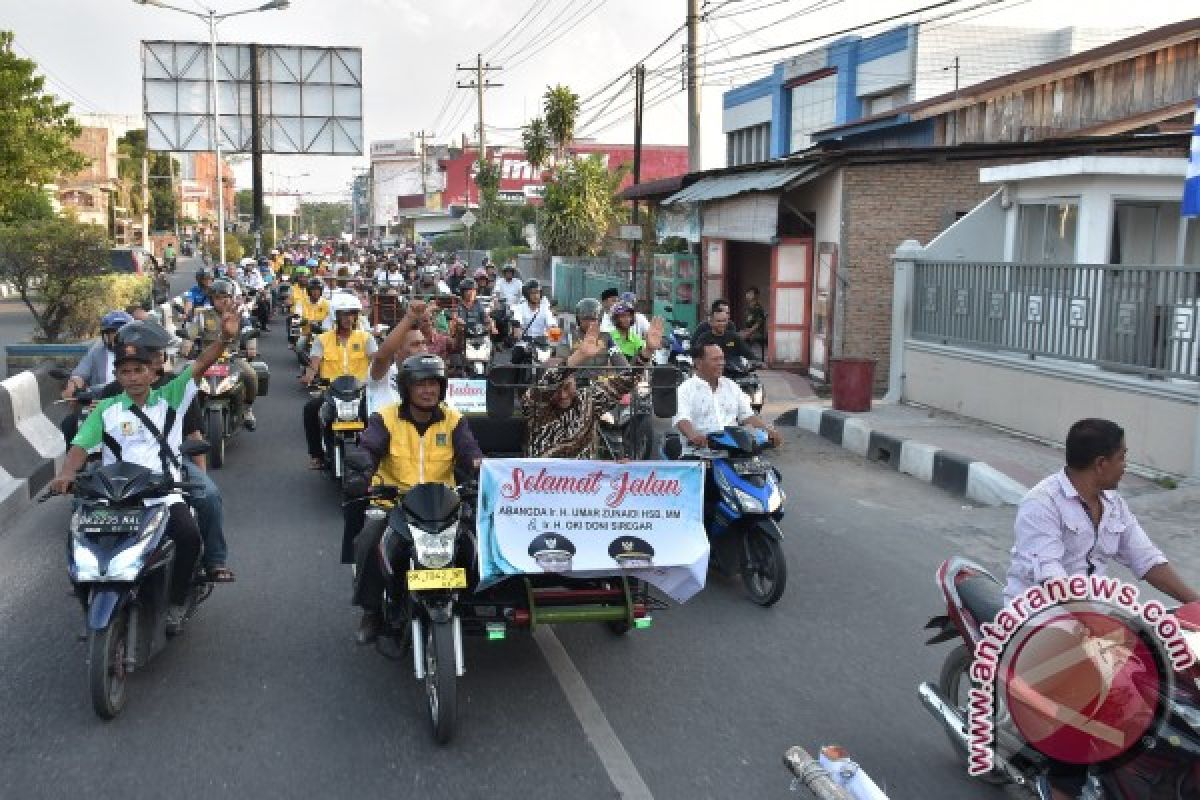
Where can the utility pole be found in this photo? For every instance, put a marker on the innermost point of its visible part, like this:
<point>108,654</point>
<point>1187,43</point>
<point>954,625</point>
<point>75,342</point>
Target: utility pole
<point>479,83</point>
<point>421,136</point>
<point>953,116</point>
<point>693,85</point>
<point>145,200</point>
<point>639,96</point>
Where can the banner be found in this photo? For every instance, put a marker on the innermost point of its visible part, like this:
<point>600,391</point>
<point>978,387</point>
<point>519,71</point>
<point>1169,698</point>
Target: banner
<point>592,518</point>
<point>1191,186</point>
<point>467,395</point>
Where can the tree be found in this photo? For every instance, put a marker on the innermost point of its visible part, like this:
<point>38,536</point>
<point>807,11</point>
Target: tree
<point>50,263</point>
<point>580,206</point>
<point>561,107</point>
<point>36,137</point>
<point>536,142</point>
<point>244,198</point>
<point>324,219</point>
<point>487,178</point>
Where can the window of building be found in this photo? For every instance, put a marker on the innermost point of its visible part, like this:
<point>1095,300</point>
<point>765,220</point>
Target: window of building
<point>814,108</point>
<point>1046,231</point>
<point>748,145</point>
<point>1144,233</point>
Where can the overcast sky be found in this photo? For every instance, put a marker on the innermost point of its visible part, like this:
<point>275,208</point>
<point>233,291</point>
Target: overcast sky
<point>91,54</point>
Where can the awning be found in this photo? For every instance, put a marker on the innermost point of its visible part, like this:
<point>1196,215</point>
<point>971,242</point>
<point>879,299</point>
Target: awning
<point>646,189</point>
<point>717,187</point>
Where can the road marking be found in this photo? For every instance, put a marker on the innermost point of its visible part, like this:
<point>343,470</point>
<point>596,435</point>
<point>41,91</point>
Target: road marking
<point>613,755</point>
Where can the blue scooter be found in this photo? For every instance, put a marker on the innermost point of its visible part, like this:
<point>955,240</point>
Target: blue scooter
<point>743,504</point>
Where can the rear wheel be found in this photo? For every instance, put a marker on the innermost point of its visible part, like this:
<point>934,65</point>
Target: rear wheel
<point>106,666</point>
<point>214,427</point>
<point>764,567</point>
<point>441,679</point>
<point>955,684</point>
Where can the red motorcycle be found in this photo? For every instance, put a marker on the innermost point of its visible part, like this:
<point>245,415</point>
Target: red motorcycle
<point>1165,767</point>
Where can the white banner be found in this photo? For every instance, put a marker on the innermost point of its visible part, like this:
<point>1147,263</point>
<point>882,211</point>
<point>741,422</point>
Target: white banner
<point>593,518</point>
<point>467,396</point>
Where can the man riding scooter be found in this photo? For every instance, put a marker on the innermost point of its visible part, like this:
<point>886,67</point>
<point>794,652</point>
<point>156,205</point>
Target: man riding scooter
<point>198,295</point>
<point>96,368</point>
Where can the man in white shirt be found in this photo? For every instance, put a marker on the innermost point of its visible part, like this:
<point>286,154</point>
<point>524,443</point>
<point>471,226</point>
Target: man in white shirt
<point>509,287</point>
<point>533,314</point>
<point>708,402</point>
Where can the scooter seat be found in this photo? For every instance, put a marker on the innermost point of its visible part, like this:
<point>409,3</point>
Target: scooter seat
<point>981,596</point>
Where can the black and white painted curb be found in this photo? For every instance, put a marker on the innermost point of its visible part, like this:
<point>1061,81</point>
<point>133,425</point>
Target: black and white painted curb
<point>975,480</point>
<point>31,445</point>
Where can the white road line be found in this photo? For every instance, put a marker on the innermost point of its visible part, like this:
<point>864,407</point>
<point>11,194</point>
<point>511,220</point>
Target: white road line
<point>613,755</point>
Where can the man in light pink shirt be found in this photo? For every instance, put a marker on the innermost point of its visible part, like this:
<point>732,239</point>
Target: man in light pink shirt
<point>1074,522</point>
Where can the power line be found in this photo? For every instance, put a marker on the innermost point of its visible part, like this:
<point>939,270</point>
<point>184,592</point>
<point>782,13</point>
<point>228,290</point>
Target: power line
<point>516,25</point>
<point>563,31</point>
<point>512,48</point>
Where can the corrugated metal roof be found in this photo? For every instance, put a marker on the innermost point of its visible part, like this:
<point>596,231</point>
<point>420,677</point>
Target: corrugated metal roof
<point>716,187</point>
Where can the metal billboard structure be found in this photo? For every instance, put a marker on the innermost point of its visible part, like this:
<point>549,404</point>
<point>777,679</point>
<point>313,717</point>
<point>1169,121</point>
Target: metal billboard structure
<point>309,99</point>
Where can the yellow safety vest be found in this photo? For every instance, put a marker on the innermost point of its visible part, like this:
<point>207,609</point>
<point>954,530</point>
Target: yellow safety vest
<point>312,312</point>
<point>411,458</point>
<point>349,359</point>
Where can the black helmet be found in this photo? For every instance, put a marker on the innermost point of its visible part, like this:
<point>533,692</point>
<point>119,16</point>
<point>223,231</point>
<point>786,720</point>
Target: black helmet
<point>203,272</point>
<point>146,333</point>
<point>222,286</point>
<point>419,368</point>
<point>588,308</point>
<point>466,283</point>
<point>315,283</point>
<point>530,286</point>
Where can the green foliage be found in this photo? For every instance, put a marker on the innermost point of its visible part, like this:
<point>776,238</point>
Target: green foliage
<point>164,170</point>
<point>561,107</point>
<point>324,219</point>
<point>488,181</point>
<point>536,141</point>
<point>233,248</point>
<point>102,294</point>
<point>49,262</point>
<point>36,136</point>
<point>580,207</point>
<point>244,199</point>
<point>509,252</point>
<point>449,242</point>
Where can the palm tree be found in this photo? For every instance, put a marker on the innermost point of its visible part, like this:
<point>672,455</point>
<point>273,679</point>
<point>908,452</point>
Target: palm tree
<point>562,112</point>
<point>536,142</point>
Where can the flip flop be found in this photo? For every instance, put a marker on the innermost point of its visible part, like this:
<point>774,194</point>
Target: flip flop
<point>221,575</point>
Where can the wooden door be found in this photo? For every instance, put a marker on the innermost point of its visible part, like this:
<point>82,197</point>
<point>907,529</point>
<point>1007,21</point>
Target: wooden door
<point>790,310</point>
<point>714,274</point>
<point>822,310</point>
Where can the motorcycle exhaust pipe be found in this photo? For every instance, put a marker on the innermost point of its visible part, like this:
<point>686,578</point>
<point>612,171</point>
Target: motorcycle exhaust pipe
<point>952,720</point>
<point>460,667</point>
<point>418,648</point>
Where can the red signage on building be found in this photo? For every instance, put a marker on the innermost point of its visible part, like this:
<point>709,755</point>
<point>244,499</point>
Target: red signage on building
<point>520,182</point>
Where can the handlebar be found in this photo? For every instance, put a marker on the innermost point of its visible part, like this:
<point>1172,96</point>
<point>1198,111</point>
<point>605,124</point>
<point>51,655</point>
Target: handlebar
<point>809,773</point>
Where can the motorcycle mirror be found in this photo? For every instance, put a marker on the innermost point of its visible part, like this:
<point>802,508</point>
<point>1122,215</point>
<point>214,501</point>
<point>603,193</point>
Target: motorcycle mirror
<point>194,447</point>
<point>664,379</point>
<point>673,446</point>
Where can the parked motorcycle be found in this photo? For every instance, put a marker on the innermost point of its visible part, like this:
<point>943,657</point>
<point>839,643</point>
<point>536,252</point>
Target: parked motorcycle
<point>742,509</point>
<point>741,371</point>
<point>119,561</point>
<point>1169,763</point>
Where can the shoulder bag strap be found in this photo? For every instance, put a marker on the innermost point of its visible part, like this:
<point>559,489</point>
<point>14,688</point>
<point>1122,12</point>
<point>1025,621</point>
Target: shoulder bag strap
<point>164,448</point>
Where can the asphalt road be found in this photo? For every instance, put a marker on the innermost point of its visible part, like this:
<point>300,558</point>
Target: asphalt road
<point>267,695</point>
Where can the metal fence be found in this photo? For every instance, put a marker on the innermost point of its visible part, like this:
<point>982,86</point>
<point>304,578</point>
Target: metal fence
<point>1135,319</point>
<point>576,278</point>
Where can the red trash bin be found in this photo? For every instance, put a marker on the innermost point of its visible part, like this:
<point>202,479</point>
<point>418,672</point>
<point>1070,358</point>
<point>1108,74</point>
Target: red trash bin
<point>852,380</point>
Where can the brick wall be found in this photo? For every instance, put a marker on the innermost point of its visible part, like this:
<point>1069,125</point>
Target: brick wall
<point>884,204</point>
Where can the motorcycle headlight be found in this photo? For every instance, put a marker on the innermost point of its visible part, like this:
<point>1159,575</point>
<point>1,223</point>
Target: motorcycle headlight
<point>749,503</point>
<point>347,410</point>
<point>83,563</point>
<point>607,418</point>
<point>435,550</point>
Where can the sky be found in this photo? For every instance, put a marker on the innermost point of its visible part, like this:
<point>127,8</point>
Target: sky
<point>90,53</point>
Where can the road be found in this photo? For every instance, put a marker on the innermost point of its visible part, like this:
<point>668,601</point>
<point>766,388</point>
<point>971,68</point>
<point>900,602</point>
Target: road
<point>267,695</point>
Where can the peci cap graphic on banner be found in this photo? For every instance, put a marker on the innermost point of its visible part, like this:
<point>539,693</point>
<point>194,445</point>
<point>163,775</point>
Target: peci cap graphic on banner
<point>310,98</point>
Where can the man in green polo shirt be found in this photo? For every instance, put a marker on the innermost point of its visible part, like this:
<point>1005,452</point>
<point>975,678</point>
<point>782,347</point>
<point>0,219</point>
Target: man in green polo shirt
<point>623,334</point>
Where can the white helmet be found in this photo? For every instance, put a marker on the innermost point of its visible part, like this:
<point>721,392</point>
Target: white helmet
<point>248,262</point>
<point>345,301</point>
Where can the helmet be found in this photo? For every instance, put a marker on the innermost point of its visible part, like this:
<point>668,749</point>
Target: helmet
<point>509,267</point>
<point>418,368</point>
<point>222,286</point>
<point>530,286</point>
<point>629,298</point>
<point>345,302</point>
<point>480,273</point>
<point>114,320</point>
<point>621,308</point>
<point>274,251</point>
<point>247,262</point>
<point>312,262</point>
<point>466,283</point>
<point>147,333</point>
<point>588,308</point>
<point>204,272</point>
<point>315,283</point>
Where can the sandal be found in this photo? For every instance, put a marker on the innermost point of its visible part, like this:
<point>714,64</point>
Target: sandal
<point>316,463</point>
<point>221,574</point>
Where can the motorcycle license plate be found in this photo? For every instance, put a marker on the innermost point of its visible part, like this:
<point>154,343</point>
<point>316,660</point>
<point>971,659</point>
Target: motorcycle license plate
<point>755,466</point>
<point>420,580</point>
<point>108,521</point>
<point>217,371</point>
<point>348,426</point>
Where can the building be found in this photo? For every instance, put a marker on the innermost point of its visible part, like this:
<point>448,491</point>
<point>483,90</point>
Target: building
<point>856,77</point>
<point>92,194</point>
<point>399,170</point>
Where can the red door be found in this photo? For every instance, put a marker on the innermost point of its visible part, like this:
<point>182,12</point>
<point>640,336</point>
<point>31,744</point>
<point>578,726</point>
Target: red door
<point>790,309</point>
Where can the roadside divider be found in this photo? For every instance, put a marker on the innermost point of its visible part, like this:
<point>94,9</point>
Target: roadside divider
<point>31,444</point>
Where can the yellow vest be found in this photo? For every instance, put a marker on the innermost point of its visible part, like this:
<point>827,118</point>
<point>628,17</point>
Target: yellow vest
<point>312,312</point>
<point>350,359</point>
<point>412,459</point>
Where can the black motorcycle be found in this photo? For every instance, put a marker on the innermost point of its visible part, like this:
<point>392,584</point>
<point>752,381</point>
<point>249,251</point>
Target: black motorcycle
<point>222,398</point>
<point>343,412</point>
<point>119,560</point>
<point>741,371</point>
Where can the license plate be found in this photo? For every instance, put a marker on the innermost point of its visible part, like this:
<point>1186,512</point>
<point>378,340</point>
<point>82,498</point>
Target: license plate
<point>348,426</point>
<point>752,467</point>
<point>420,580</point>
<point>217,371</point>
<point>106,521</point>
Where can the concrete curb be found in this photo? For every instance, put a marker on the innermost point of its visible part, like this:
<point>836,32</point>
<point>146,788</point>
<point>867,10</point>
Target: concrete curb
<point>31,445</point>
<point>975,480</point>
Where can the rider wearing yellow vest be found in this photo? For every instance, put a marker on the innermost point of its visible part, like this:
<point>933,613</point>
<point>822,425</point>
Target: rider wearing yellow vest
<point>345,350</point>
<point>311,305</point>
<point>419,440</point>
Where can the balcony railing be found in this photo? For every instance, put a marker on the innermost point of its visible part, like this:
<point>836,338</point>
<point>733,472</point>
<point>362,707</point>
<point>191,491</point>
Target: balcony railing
<point>1136,319</point>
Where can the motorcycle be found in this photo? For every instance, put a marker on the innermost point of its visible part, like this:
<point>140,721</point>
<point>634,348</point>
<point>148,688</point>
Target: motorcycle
<point>477,350</point>
<point>743,504</point>
<point>534,350</point>
<point>1170,757</point>
<point>741,371</point>
<point>345,402</point>
<point>627,431</point>
<point>222,399</point>
<point>304,342</point>
<point>119,561</point>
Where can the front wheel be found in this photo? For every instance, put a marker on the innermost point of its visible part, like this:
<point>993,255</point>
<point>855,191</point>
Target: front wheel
<point>214,427</point>
<point>441,679</point>
<point>106,666</point>
<point>764,567</point>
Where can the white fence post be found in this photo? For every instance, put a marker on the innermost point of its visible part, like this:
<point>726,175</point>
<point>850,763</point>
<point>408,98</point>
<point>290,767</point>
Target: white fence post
<point>904,267</point>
